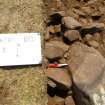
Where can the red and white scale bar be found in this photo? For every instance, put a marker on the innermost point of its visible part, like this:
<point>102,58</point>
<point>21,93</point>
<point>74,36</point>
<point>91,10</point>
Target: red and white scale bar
<point>57,65</point>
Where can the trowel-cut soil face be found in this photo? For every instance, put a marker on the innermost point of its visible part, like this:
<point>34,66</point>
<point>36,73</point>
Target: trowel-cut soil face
<point>26,85</point>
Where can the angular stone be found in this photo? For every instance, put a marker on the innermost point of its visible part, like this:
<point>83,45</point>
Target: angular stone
<point>53,52</point>
<point>88,71</point>
<point>62,61</point>
<point>87,10</point>
<point>60,76</point>
<point>97,37</point>
<point>55,100</point>
<point>101,49</point>
<point>79,12</point>
<point>59,100</point>
<point>57,28</point>
<point>88,37</point>
<point>69,101</point>
<point>50,101</point>
<point>45,62</point>
<point>51,83</point>
<point>84,21</point>
<point>98,25</point>
<point>60,44</point>
<point>47,35</point>
<point>51,29</point>
<point>70,22</point>
<point>93,43</point>
<point>72,35</point>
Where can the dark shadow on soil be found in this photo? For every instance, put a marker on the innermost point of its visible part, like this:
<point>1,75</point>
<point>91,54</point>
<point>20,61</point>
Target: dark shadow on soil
<point>19,67</point>
<point>56,91</point>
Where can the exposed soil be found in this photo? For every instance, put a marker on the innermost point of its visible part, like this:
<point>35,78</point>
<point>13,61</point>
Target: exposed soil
<point>22,85</point>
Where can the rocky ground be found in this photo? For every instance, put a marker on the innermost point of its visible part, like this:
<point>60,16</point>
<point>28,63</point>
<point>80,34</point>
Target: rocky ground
<point>75,36</point>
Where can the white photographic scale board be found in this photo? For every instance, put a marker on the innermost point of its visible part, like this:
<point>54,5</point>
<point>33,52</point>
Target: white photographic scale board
<point>20,49</point>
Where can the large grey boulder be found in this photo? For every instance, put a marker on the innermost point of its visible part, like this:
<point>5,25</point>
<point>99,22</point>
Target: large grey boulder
<point>53,51</point>
<point>60,77</point>
<point>88,73</point>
